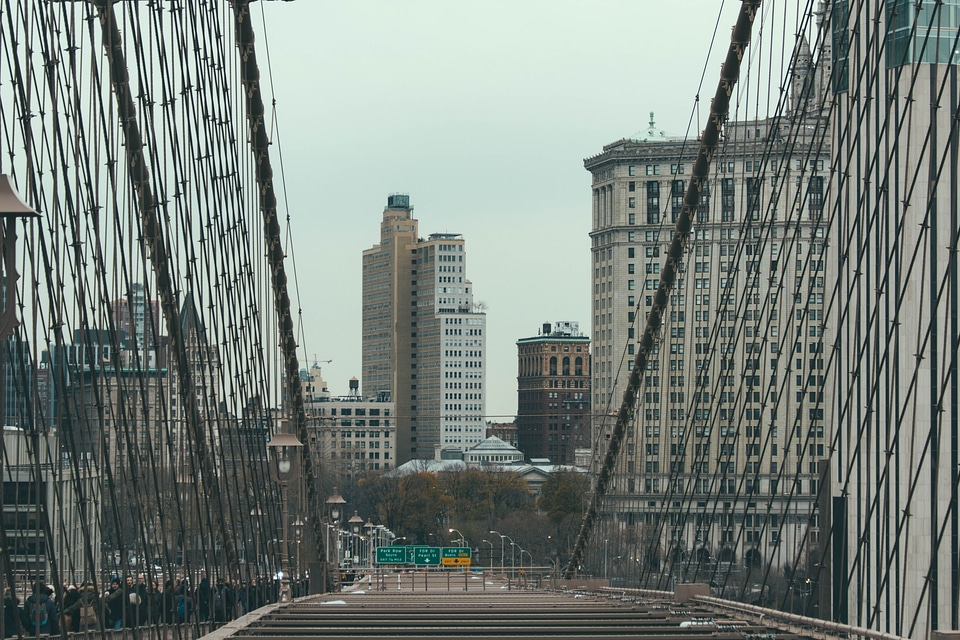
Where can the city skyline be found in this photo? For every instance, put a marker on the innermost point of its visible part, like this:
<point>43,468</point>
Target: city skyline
<point>484,123</point>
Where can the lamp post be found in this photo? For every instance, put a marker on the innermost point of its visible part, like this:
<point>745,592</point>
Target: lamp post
<point>529,557</point>
<point>298,531</point>
<point>334,509</point>
<point>255,542</point>
<point>461,541</point>
<point>369,528</point>
<point>501,547</point>
<point>605,559</point>
<point>284,449</point>
<point>355,523</point>
<point>491,551</point>
<point>11,208</point>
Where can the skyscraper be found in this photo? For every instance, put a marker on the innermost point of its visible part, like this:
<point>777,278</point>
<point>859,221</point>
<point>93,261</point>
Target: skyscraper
<point>423,335</point>
<point>553,383</point>
<point>894,559</point>
<point>729,419</point>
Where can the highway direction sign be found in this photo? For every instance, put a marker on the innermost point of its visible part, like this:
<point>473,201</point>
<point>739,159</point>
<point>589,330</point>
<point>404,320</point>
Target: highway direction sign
<point>391,555</point>
<point>426,556</point>
<point>456,557</point>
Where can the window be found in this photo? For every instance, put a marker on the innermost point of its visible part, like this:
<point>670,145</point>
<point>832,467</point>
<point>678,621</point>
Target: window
<point>631,170</point>
<point>727,200</point>
<point>676,198</point>
<point>815,197</point>
<point>922,33</point>
<point>653,202</point>
<point>753,198</point>
<point>703,209</point>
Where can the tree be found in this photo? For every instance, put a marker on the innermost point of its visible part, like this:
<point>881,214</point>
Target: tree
<point>409,505</point>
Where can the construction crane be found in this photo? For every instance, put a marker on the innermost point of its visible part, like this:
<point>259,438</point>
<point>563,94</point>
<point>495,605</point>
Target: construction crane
<point>318,362</point>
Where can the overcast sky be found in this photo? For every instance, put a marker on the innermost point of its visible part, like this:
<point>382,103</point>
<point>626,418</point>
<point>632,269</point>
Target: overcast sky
<point>481,111</point>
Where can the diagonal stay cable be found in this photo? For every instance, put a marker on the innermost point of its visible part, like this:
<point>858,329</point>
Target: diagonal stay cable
<point>159,256</point>
<point>709,140</point>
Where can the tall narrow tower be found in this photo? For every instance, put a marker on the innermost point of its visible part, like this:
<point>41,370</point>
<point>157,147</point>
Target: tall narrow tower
<point>423,336</point>
<point>389,315</point>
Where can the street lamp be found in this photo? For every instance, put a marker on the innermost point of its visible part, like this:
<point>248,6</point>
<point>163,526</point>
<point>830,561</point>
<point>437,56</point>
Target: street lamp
<point>369,528</point>
<point>298,531</point>
<point>11,208</point>
<point>462,541</point>
<point>529,556</point>
<point>355,523</point>
<point>284,450</point>
<point>334,506</point>
<point>491,551</point>
<point>501,547</point>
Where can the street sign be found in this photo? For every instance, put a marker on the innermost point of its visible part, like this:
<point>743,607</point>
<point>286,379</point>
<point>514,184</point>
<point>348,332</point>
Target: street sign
<point>426,556</point>
<point>456,557</point>
<point>391,555</point>
<point>455,562</point>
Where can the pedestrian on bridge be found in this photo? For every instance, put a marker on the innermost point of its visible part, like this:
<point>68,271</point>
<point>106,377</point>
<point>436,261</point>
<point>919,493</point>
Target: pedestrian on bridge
<point>203,600</point>
<point>11,614</point>
<point>83,610</point>
<point>40,612</point>
<point>71,595</point>
<point>113,601</point>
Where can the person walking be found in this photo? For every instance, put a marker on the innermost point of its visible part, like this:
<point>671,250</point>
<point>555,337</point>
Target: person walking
<point>40,612</point>
<point>114,605</point>
<point>83,609</point>
<point>11,614</point>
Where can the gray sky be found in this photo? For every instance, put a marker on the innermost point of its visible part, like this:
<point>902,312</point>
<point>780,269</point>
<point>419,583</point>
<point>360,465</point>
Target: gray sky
<point>483,112</point>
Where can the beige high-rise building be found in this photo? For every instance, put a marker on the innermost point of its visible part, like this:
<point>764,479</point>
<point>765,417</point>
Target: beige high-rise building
<point>423,336</point>
<point>721,458</point>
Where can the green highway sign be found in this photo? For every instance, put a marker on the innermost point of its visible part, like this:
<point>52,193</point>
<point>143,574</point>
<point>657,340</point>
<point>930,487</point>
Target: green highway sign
<point>391,555</point>
<point>456,556</point>
<point>426,556</point>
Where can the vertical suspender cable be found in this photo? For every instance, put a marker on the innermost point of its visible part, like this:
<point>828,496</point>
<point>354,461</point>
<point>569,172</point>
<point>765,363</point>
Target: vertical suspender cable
<point>159,256</point>
<point>260,145</point>
<point>719,110</point>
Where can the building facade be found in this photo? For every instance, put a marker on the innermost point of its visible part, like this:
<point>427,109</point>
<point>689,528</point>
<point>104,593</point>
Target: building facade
<point>351,435</point>
<point>720,459</point>
<point>423,336</point>
<point>553,393</point>
<point>893,562</point>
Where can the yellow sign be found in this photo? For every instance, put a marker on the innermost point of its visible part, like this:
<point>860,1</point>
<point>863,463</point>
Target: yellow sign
<point>455,562</point>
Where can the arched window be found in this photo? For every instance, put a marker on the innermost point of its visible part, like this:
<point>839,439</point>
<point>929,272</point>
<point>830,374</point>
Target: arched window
<point>566,365</point>
<point>553,365</point>
<point>578,364</point>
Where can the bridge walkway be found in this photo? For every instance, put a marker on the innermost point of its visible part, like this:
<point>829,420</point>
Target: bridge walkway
<point>466,606</point>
